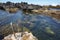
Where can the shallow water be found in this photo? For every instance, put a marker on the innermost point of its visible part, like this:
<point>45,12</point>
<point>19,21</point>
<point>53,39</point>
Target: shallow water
<point>39,25</point>
<point>54,9</point>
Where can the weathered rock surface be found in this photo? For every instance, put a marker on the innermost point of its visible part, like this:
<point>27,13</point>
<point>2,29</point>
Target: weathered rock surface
<point>17,36</point>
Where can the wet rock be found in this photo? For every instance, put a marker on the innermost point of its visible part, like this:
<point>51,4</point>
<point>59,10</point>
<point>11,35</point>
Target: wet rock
<point>2,8</point>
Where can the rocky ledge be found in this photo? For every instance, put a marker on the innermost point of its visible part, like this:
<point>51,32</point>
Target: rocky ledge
<point>17,36</point>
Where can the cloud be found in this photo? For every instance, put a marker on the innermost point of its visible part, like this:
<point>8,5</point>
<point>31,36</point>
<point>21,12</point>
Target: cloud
<point>53,4</point>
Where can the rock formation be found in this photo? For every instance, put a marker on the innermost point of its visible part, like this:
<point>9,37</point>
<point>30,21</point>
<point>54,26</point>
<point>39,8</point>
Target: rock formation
<point>17,36</point>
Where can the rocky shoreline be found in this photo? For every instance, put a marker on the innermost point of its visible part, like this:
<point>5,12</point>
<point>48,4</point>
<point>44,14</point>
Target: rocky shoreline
<point>38,9</point>
<point>52,13</point>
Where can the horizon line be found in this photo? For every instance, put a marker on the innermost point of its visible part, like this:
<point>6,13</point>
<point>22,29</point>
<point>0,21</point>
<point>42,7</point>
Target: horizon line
<point>32,3</point>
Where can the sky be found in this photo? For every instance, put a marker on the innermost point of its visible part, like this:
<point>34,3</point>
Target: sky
<point>38,2</point>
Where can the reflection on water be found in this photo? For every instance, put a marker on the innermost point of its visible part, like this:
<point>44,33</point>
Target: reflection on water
<point>43,27</point>
<point>54,8</point>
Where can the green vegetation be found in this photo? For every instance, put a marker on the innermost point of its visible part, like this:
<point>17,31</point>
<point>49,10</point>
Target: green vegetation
<point>48,30</point>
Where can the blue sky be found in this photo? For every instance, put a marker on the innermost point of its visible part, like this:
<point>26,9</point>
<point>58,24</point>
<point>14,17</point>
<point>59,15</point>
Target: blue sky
<point>39,2</point>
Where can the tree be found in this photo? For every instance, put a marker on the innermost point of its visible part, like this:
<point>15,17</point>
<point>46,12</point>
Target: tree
<point>8,3</point>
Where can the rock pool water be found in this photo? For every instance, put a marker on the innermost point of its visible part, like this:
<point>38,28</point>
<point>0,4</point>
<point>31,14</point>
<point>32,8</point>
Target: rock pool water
<point>43,27</point>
